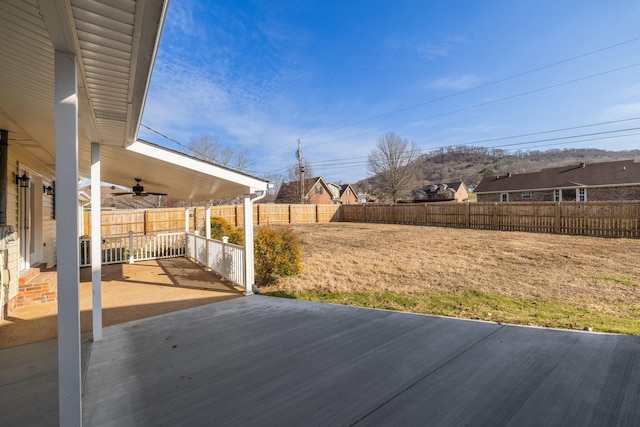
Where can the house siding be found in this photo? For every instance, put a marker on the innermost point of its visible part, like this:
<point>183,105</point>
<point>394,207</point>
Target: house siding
<point>19,157</point>
<point>48,232</point>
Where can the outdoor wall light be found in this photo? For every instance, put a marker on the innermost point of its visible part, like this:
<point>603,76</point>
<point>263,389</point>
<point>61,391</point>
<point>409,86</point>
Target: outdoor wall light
<point>47,190</point>
<point>23,180</point>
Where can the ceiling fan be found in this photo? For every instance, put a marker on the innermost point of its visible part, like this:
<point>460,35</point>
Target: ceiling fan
<point>138,191</point>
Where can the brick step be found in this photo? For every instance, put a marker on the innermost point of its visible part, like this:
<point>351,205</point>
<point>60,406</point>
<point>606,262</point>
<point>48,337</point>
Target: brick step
<point>29,274</point>
<point>36,286</point>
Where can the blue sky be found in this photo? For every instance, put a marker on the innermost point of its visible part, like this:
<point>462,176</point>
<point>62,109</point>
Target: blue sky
<point>339,74</point>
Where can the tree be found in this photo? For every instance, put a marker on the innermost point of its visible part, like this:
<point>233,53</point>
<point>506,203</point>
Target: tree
<point>209,148</point>
<point>394,163</point>
<point>293,173</point>
<point>487,171</point>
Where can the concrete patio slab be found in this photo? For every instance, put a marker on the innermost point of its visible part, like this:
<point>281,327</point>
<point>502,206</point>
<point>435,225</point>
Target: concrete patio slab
<point>268,361</point>
<point>262,361</point>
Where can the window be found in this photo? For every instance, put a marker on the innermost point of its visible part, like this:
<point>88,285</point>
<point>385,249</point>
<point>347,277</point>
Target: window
<point>526,195</point>
<point>582,195</point>
<point>318,189</point>
<point>557,195</point>
<point>504,197</point>
<point>348,192</point>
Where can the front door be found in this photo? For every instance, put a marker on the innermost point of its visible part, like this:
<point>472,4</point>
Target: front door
<point>29,222</point>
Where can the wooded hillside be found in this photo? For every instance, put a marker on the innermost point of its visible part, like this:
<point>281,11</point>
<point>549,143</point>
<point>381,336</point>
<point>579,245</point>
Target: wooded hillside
<point>470,164</point>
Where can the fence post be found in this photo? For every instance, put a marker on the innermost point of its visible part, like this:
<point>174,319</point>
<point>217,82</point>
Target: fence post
<point>130,247</point>
<point>494,218</point>
<point>290,213</point>
<point>558,219</point>
<point>317,213</point>
<point>468,215</point>
<point>236,215</point>
<point>145,222</point>
<point>257,219</point>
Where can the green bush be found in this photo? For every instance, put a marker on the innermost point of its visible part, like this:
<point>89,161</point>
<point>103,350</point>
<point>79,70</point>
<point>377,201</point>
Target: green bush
<point>221,227</point>
<point>278,254</point>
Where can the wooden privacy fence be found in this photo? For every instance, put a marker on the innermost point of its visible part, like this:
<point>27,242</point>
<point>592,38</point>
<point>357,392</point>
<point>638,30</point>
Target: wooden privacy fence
<point>611,219</point>
<point>168,220</point>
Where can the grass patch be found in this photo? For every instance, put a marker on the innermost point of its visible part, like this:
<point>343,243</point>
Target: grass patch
<point>619,279</point>
<point>483,306</point>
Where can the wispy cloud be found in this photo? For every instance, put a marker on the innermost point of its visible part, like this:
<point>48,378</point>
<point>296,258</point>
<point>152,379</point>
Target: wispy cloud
<point>425,49</point>
<point>442,48</point>
<point>623,111</point>
<point>457,82</point>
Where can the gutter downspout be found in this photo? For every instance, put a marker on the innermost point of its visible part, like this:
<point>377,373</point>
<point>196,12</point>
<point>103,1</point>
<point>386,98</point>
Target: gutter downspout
<point>249,259</point>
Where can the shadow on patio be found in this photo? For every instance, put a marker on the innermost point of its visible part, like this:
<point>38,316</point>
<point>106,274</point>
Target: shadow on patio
<point>129,292</point>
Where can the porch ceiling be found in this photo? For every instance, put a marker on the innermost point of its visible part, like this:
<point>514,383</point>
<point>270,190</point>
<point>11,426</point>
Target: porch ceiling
<point>115,43</point>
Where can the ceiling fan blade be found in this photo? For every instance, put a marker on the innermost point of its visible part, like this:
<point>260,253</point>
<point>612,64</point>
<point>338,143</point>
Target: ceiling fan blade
<point>151,193</point>
<point>122,193</point>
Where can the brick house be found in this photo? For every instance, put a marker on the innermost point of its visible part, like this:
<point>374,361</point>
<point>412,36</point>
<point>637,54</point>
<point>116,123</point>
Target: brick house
<point>444,192</point>
<point>619,180</point>
<point>316,191</point>
<point>343,194</point>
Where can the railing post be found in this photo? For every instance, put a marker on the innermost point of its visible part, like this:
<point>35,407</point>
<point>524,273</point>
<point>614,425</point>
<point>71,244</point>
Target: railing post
<point>130,247</point>
<point>225,241</point>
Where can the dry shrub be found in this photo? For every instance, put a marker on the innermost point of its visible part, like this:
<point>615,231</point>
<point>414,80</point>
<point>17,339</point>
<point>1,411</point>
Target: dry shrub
<point>221,227</point>
<point>277,254</point>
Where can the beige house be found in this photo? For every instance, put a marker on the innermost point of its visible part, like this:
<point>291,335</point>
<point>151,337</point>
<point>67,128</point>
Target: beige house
<point>73,82</point>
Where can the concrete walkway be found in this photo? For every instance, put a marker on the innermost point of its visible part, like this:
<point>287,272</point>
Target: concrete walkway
<point>262,361</point>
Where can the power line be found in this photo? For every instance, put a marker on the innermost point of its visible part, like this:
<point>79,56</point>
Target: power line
<point>482,104</point>
<point>356,160</point>
<point>494,82</point>
<point>348,163</point>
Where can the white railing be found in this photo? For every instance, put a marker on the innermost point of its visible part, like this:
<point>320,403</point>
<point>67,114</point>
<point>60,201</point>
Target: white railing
<point>131,248</point>
<point>224,258</point>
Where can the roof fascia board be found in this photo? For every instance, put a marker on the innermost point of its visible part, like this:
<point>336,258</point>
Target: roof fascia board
<point>253,184</point>
<point>137,103</point>
<point>60,23</point>
<point>58,18</point>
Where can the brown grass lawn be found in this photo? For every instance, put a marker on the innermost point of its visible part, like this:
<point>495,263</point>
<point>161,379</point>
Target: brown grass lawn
<point>525,278</point>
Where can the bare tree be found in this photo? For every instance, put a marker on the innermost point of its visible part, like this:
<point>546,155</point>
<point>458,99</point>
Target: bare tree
<point>293,173</point>
<point>394,163</point>
<point>209,148</point>
<point>276,179</point>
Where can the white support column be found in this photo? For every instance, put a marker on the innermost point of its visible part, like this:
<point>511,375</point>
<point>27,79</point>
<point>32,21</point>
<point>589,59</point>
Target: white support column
<point>249,276</point>
<point>207,233</point>
<point>207,219</point>
<point>96,240</point>
<point>186,220</point>
<point>66,132</point>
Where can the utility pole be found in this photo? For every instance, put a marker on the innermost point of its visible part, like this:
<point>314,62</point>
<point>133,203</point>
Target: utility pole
<point>301,173</point>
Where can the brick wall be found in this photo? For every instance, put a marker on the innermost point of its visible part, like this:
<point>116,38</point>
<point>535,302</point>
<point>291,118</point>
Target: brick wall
<point>593,195</point>
<point>323,198</point>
